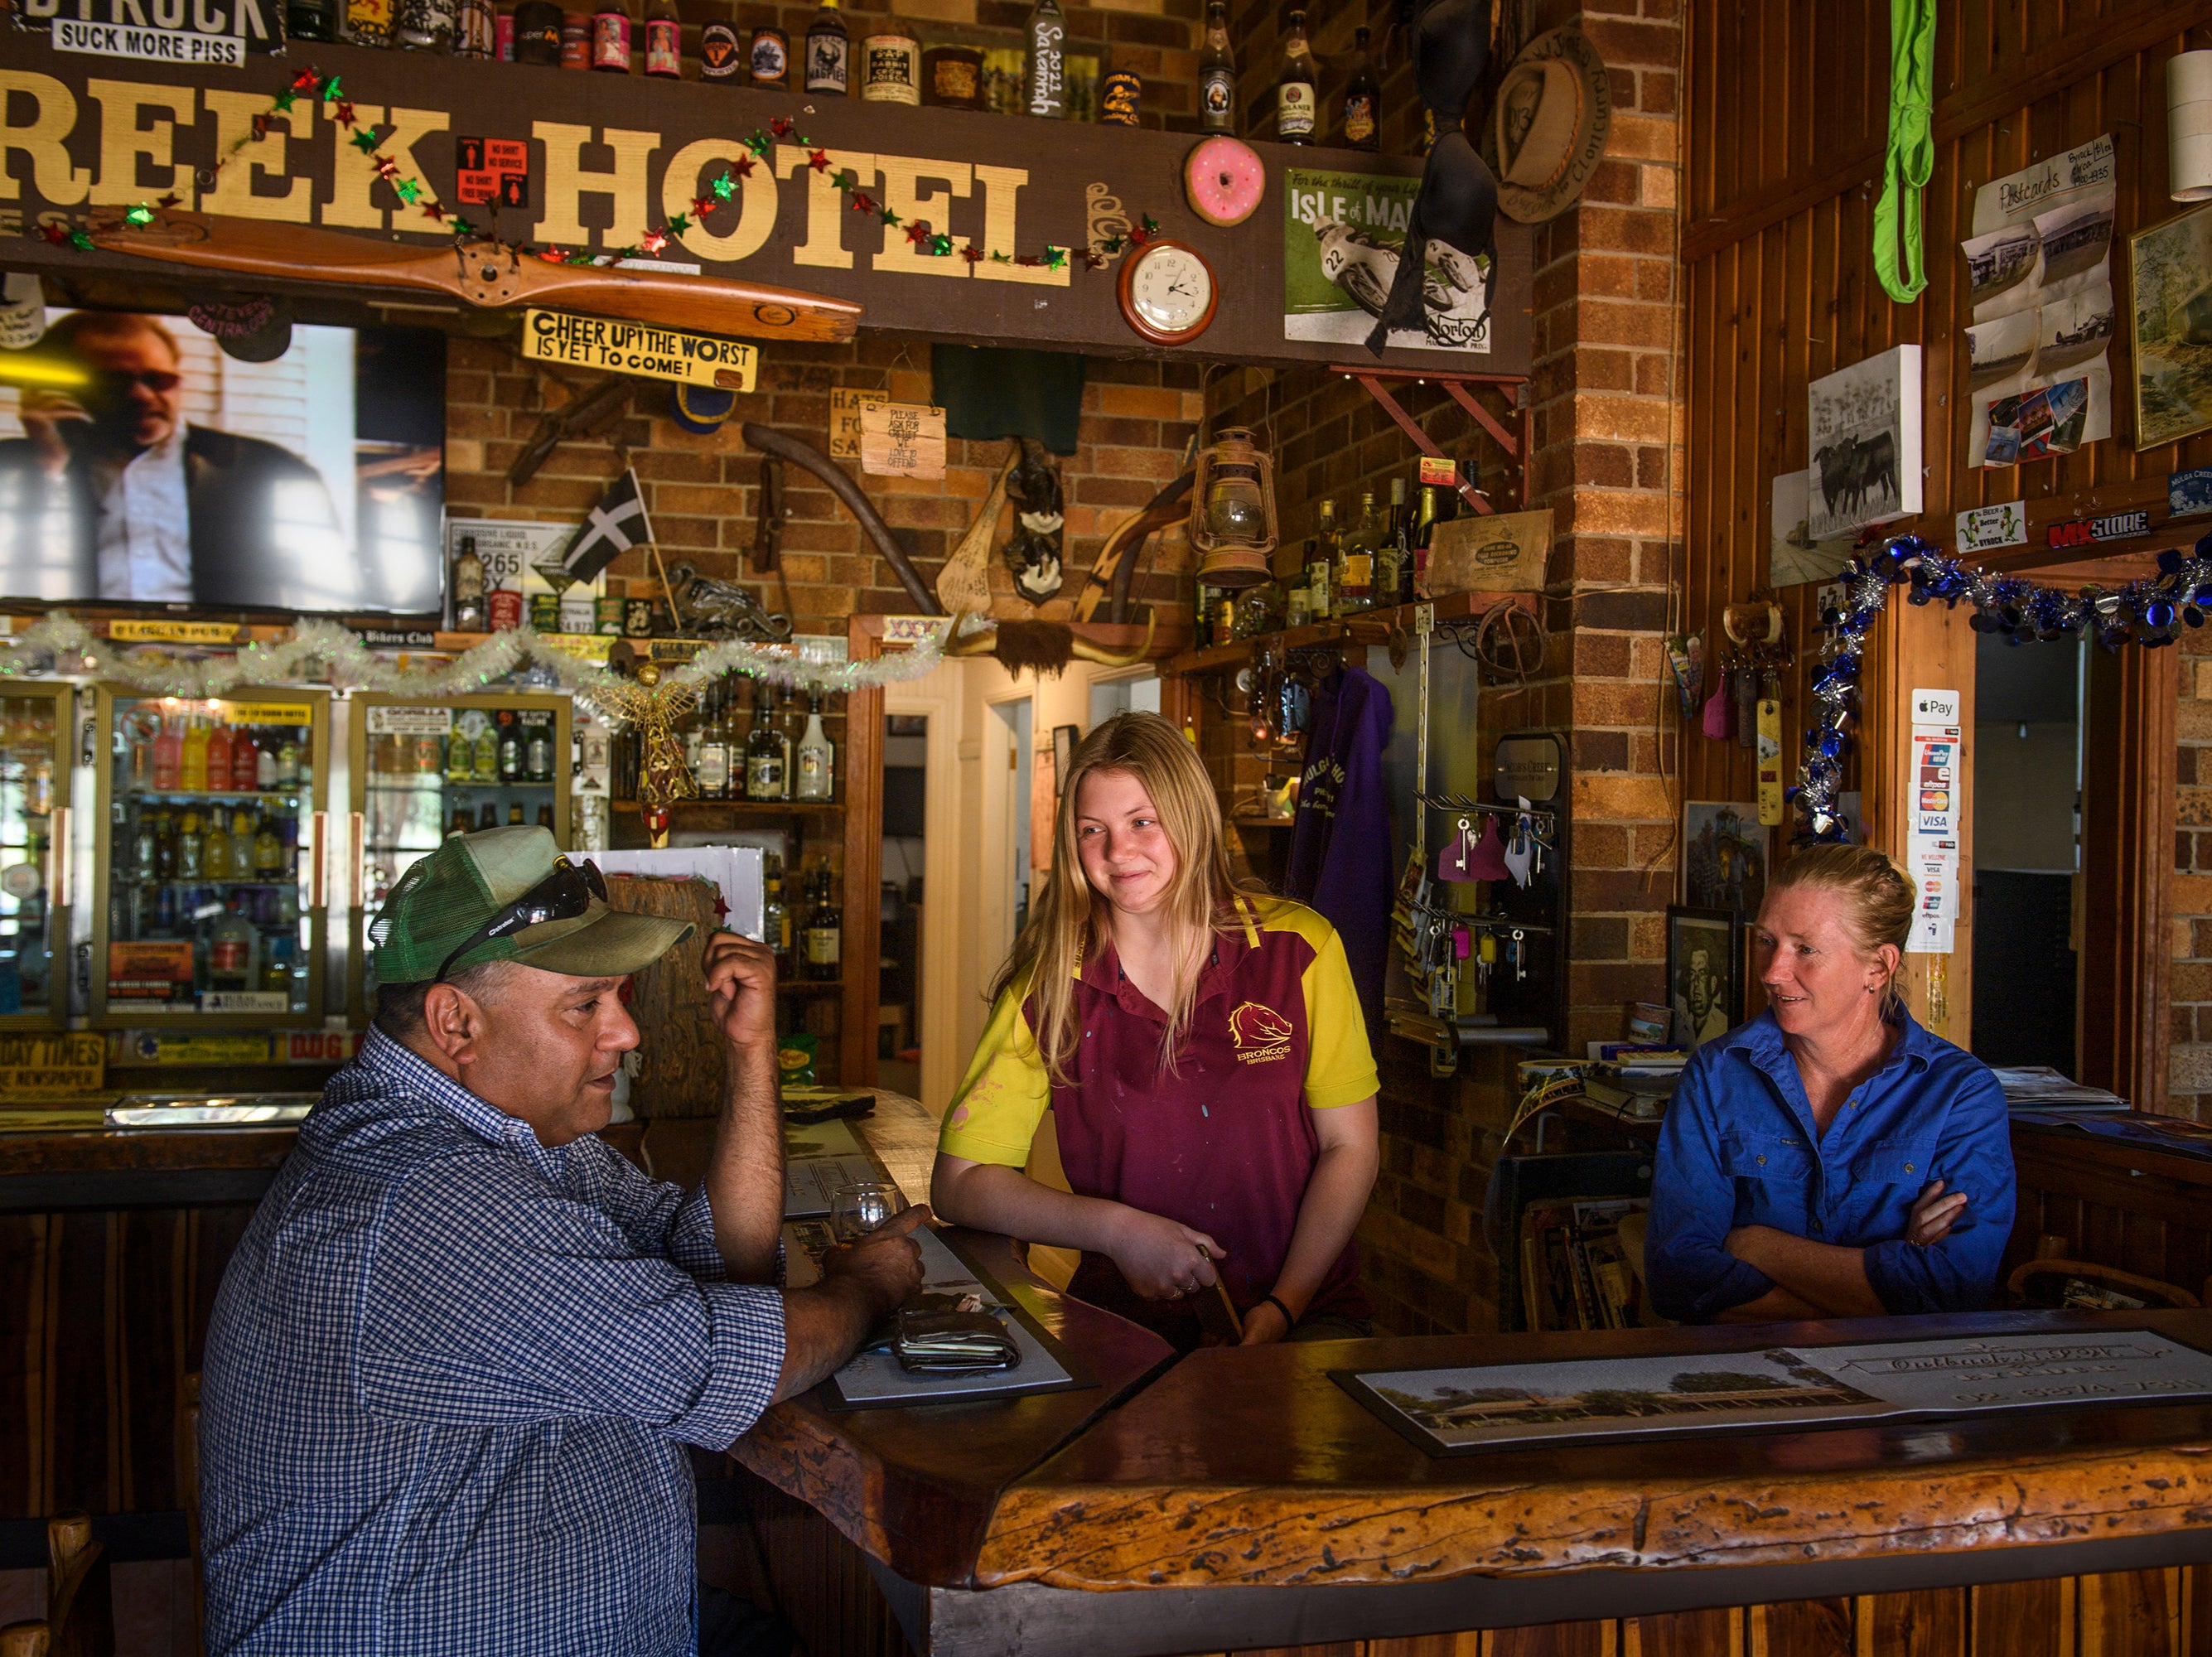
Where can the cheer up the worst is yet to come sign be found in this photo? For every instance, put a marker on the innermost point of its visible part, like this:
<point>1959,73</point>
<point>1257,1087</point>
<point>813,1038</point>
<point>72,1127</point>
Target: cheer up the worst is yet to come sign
<point>990,216</point>
<point>639,348</point>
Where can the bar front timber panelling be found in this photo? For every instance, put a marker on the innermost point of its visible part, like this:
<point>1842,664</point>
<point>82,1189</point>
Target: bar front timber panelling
<point>1789,109</point>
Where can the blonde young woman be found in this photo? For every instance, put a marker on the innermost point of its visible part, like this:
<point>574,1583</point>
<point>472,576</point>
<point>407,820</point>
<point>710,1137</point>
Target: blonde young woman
<point>1831,1158</point>
<point>1201,1052</point>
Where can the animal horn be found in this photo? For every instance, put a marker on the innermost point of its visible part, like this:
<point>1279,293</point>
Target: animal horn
<point>981,643</point>
<point>1086,650</point>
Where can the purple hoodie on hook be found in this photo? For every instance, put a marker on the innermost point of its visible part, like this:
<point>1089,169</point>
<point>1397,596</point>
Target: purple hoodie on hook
<point>1339,859</point>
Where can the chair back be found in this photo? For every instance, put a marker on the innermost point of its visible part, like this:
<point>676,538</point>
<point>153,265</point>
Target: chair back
<point>2057,1283</point>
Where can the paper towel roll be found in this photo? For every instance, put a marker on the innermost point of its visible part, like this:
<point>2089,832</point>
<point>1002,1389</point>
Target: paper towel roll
<point>2189,126</point>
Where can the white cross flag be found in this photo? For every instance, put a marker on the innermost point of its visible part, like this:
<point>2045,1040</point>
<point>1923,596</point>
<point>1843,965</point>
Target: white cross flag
<point>615,526</point>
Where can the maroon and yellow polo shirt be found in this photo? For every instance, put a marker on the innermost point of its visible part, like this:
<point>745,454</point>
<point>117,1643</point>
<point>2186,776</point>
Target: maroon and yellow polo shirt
<point>1226,1145</point>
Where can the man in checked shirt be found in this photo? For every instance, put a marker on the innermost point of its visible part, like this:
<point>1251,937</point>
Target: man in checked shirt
<point>455,1361</point>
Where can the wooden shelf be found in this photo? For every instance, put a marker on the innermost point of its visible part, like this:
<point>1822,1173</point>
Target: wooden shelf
<point>757,807</point>
<point>1374,627</point>
<point>1262,823</point>
<point>805,985</point>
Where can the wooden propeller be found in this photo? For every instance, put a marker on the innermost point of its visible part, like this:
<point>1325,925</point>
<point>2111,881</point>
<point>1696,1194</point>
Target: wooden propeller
<point>482,274</point>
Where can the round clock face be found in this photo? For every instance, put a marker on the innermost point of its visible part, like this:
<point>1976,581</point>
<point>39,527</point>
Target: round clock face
<point>1170,294</point>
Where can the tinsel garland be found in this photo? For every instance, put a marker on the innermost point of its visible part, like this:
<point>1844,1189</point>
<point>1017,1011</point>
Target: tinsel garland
<point>325,652</point>
<point>2148,612</point>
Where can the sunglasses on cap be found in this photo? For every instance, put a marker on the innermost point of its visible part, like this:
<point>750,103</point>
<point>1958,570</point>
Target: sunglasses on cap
<point>562,896</point>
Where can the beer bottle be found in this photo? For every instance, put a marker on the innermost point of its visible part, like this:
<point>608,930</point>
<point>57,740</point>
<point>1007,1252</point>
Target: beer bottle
<point>1294,86</point>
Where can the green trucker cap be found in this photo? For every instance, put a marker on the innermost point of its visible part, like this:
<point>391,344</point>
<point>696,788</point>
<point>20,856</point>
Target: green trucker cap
<point>443,900</point>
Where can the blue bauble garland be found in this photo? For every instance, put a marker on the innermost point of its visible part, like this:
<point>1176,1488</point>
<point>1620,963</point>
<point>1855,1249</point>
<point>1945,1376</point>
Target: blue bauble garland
<point>2148,612</point>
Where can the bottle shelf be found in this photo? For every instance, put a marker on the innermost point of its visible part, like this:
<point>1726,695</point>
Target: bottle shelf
<point>1368,627</point>
<point>772,808</point>
<point>274,879</point>
<point>384,782</point>
<point>289,795</point>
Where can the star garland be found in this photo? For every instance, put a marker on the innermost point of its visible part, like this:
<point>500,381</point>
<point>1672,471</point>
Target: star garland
<point>325,652</point>
<point>412,191</point>
<point>2148,612</point>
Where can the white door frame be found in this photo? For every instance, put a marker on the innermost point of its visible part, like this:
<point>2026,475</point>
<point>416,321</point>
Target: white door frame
<point>938,695</point>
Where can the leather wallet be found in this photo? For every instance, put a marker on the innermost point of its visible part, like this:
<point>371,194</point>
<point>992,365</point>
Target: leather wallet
<point>952,1343</point>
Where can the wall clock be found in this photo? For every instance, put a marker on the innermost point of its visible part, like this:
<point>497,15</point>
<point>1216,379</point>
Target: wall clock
<point>1168,292</point>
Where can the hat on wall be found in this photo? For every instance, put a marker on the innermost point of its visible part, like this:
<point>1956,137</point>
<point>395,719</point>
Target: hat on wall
<point>252,327</point>
<point>1548,126</point>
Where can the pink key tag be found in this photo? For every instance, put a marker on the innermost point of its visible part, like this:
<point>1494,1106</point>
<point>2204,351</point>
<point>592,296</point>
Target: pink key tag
<point>1462,942</point>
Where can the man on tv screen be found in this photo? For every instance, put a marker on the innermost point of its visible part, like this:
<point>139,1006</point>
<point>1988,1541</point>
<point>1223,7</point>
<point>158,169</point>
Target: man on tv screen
<point>113,494</point>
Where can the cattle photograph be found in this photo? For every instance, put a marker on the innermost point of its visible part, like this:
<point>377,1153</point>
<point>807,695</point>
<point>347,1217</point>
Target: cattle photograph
<point>1863,432</point>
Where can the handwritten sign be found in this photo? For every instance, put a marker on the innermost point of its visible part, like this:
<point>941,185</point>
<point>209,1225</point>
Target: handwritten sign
<point>845,405</point>
<point>640,349</point>
<point>901,439</point>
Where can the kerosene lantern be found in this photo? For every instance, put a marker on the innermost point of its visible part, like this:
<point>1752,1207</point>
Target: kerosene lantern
<point>1232,514</point>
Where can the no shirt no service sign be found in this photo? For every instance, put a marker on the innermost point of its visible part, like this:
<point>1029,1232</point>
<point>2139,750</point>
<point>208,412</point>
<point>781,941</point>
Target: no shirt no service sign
<point>640,349</point>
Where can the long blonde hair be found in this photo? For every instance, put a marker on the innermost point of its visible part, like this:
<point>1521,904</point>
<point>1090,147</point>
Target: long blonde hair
<point>1066,917</point>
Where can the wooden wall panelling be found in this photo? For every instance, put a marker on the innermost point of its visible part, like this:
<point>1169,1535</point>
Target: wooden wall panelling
<point>1930,1623</point>
<point>2022,1619</point>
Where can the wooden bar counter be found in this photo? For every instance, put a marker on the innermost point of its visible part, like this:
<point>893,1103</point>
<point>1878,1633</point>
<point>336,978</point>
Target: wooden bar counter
<point>1237,1499</point>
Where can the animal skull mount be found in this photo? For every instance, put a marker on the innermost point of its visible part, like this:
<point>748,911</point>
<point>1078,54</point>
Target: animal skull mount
<point>1046,647</point>
<point>1033,552</point>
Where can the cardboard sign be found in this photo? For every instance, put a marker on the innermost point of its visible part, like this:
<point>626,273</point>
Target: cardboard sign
<point>640,349</point>
<point>264,714</point>
<point>492,170</point>
<point>173,633</point>
<point>384,721</point>
<point>901,439</point>
<point>1986,529</point>
<point>845,422</point>
<point>150,969</point>
<point>1498,552</point>
<point>73,1062</point>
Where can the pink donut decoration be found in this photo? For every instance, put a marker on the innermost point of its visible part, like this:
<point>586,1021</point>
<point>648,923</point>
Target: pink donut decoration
<point>1224,178</point>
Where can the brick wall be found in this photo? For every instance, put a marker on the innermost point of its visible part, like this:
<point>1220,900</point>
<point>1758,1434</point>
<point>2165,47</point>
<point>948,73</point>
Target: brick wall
<point>2188,986</point>
<point>1606,409</point>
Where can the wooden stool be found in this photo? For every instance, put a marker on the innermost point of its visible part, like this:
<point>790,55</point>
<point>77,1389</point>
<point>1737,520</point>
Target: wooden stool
<point>80,1619</point>
<point>2043,1282</point>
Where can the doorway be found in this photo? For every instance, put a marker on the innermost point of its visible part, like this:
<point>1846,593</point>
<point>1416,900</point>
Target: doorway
<point>905,838</point>
<point>2027,757</point>
<point>1014,722</point>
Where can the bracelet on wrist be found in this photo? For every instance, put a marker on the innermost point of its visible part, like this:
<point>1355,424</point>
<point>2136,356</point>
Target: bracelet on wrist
<point>1289,1322</point>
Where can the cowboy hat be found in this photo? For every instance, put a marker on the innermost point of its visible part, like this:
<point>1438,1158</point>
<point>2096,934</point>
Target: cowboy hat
<point>1548,126</point>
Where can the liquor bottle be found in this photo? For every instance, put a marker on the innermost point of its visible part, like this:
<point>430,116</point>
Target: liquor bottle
<point>1317,580</point>
<point>190,848</point>
<point>461,824</point>
<point>1217,73</point>
<point>424,26</point>
<point>1355,562</point>
<point>1201,616</point>
<point>610,30</point>
<point>1044,87</point>
<point>764,776</point>
<point>769,62</point>
<point>514,814</point>
<point>663,40</point>
<point>825,926</point>
<point>245,763</point>
<point>168,753</point>
<point>545,817</point>
<point>288,761</point>
<point>694,734</point>
<point>311,19</point>
<point>164,909</point>
<point>484,752</point>
<point>537,40</point>
<point>475,29</point>
<point>1394,562</point>
<point>141,849</point>
<point>231,949</point>
<point>165,847</point>
<point>267,848</point>
<point>1294,85</point>
<point>713,771</point>
<point>829,53</point>
<point>368,23</point>
<point>277,971</point>
<point>191,770</point>
<point>245,846</point>
<point>1363,103</point>
<point>215,849</point>
<point>265,762</point>
<point>818,760</point>
<point>775,920</point>
<point>1427,516</point>
<point>1321,574</point>
<point>219,757</point>
<point>721,56</point>
<point>538,753</point>
<point>488,816</point>
<point>510,747</point>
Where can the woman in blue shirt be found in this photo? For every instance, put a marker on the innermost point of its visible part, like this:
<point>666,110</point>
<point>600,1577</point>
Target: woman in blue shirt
<point>1831,1158</point>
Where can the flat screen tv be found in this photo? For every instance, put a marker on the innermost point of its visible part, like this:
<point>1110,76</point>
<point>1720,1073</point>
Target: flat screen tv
<point>142,463</point>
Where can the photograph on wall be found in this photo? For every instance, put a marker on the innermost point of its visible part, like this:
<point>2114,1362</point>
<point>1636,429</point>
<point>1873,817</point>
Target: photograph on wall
<point>1341,236</point>
<point>1723,857</point>
<point>1794,557</point>
<point>1704,972</point>
<point>2039,262</point>
<point>2170,276</point>
<point>1863,436</point>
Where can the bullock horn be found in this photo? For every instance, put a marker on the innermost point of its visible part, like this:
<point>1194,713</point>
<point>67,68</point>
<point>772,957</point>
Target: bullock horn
<point>1086,650</point>
<point>981,643</point>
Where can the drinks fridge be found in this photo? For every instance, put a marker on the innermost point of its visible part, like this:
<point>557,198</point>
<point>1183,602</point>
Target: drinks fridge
<point>207,884</point>
<point>36,726</point>
<point>421,771</point>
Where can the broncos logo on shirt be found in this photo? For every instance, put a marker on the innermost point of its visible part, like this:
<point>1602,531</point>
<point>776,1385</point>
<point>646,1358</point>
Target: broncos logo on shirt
<point>1260,1032</point>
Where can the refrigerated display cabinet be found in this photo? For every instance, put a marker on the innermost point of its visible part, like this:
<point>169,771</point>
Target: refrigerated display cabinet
<point>38,722</point>
<point>419,771</point>
<point>207,887</point>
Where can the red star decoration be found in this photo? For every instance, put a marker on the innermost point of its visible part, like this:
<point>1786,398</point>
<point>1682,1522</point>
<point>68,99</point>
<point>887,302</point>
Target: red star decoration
<point>1137,235</point>
<point>744,164</point>
<point>306,79</point>
<point>780,126</point>
<point>918,231</point>
<point>973,254</point>
<point>653,240</point>
<point>343,114</point>
<point>1027,259</point>
<point>387,167</point>
<point>703,205</point>
<point>261,125</point>
<point>57,233</point>
<point>432,211</point>
<point>169,201</point>
<point>861,203</point>
<point>1094,259</point>
<point>818,159</point>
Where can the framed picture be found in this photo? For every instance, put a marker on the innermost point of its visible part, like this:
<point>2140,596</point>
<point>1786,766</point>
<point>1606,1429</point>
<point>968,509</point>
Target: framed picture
<point>1863,426</point>
<point>1724,856</point>
<point>1704,972</point>
<point>2172,316</point>
<point>1064,737</point>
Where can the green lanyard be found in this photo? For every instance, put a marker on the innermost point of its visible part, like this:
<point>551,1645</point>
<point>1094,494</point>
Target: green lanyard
<point>1911,156</point>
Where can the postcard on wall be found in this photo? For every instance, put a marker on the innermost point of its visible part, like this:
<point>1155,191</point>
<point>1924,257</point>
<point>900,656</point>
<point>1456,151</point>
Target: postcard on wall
<point>1464,1411</point>
<point>2170,276</point>
<point>1864,439</point>
<point>1341,236</point>
<point>1794,557</point>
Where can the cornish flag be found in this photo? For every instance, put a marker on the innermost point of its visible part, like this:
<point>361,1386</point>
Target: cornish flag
<point>615,526</point>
